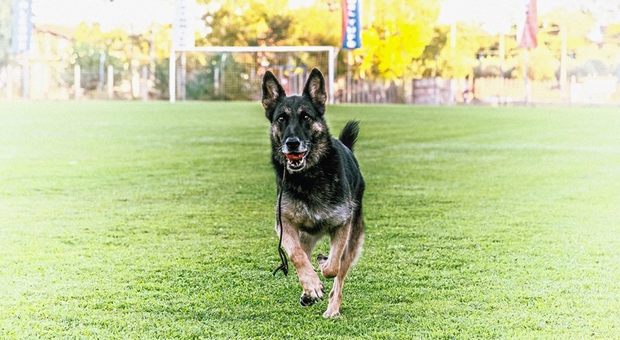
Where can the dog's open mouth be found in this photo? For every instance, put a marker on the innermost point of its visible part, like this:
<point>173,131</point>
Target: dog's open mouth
<point>295,161</point>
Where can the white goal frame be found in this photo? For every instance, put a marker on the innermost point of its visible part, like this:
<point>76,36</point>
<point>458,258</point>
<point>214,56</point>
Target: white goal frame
<point>331,60</point>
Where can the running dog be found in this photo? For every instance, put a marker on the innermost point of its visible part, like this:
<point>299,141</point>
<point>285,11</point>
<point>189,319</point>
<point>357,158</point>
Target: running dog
<point>320,183</point>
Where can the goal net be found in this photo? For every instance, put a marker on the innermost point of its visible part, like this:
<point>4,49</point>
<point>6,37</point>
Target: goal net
<point>235,73</point>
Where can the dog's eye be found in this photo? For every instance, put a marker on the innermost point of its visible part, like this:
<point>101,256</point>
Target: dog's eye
<point>305,116</point>
<point>281,119</point>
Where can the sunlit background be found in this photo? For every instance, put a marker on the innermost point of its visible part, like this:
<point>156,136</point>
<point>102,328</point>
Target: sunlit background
<point>492,187</point>
<point>422,51</point>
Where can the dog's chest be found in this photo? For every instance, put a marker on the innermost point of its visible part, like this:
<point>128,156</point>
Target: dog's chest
<point>317,215</point>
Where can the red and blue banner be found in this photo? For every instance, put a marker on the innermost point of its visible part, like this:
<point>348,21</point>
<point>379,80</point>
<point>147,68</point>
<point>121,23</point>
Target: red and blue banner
<point>351,24</point>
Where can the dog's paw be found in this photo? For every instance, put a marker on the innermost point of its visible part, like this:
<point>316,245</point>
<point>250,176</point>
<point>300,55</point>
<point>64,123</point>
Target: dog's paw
<point>307,300</point>
<point>331,314</point>
<point>312,293</point>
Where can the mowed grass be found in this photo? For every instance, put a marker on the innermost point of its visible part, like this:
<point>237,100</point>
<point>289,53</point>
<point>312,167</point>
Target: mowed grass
<point>144,220</point>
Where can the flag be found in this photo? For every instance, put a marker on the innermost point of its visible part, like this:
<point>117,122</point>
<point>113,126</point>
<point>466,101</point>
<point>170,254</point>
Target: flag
<point>351,24</point>
<point>183,27</point>
<point>527,36</point>
<point>21,34</point>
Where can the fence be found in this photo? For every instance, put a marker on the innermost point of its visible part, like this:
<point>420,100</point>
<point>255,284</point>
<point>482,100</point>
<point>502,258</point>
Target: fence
<point>58,80</point>
<point>490,90</point>
<point>54,79</point>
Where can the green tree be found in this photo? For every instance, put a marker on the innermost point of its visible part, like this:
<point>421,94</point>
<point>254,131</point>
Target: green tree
<point>257,23</point>
<point>252,23</point>
<point>121,50</point>
<point>261,22</point>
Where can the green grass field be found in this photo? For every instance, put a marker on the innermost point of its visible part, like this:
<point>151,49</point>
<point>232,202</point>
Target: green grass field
<point>142,220</point>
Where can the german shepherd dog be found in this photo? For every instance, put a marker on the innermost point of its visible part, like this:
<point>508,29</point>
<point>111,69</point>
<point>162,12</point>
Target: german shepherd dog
<point>322,188</point>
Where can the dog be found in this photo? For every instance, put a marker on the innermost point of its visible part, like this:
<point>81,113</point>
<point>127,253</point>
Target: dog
<point>322,190</point>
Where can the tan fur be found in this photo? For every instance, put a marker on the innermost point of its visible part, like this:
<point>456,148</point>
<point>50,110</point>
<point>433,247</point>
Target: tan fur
<point>308,241</point>
<point>339,238</point>
<point>309,280</point>
<point>275,131</point>
<point>272,93</point>
<point>315,93</point>
<point>349,256</point>
<point>299,214</point>
<point>342,255</point>
<point>318,127</point>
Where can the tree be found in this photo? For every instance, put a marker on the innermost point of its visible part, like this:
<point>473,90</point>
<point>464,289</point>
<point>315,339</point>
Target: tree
<point>396,37</point>
<point>442,59</point>
<point>257,23</point>
<point>318,24</point>
<point>261,22</point>
<point>93,48</point>
<point>251,23</point>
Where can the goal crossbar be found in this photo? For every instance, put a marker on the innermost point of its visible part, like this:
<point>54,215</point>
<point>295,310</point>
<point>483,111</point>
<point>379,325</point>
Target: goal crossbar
<point>331,52</point>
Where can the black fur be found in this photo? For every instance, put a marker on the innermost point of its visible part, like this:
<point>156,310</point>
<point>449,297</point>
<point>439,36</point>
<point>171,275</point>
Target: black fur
<point>348,135</point>
<point>323,187</point>
<point>332,173</point>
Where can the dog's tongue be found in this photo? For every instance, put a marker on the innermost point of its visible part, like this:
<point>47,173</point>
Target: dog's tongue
<point>294,156</point>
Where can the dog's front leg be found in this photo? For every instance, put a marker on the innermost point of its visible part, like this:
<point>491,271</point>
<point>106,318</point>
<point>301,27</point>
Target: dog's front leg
<point>309,280</point>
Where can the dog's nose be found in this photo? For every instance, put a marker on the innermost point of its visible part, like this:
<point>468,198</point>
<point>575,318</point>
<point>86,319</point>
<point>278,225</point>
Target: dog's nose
<point>292,143</point>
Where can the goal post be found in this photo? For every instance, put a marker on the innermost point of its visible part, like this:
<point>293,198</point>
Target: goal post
<point>234,72</point>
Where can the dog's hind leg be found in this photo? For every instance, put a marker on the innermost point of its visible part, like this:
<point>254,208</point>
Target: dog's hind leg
<point>350,255</point>
<point>308,241</point>
<point>339,239</point>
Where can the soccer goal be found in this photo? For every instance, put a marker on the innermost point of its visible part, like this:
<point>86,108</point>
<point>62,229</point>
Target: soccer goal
<point>235,73</point>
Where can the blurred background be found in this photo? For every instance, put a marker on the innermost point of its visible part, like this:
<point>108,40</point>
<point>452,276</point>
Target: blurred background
<point>447,52</point>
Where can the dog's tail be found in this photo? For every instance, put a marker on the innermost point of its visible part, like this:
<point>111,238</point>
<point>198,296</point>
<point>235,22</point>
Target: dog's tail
<point>349,133</point>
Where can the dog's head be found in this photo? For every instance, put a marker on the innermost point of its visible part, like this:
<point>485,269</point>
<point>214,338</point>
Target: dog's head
<point>299,135</point>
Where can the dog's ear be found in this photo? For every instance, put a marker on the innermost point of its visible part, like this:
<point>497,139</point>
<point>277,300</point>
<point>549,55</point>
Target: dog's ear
<point>272,93</point>
<point>315,90</point>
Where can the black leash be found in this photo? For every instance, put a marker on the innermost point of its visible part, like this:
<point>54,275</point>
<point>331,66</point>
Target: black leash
<point>283,260</point>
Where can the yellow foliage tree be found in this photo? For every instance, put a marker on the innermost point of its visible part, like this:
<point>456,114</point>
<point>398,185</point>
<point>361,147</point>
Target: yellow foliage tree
<point>459,60</point>
<point>397,35</point>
